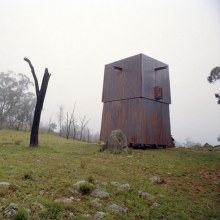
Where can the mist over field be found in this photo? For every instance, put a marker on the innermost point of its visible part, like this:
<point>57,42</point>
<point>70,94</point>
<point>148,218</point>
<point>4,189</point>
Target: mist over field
<point>75,40</point>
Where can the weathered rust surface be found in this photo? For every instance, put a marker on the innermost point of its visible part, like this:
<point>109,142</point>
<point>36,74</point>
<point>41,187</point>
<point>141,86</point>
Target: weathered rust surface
<point>142,120</point>
<point>123,84</point>
<point>130,103</point>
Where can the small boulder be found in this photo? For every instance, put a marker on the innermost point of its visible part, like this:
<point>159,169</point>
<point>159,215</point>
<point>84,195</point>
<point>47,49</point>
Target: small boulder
<point>145,195</point>
<point>124,187</point>
<point>41,192</point>
<point>96,203</point>
<point>99,215</point>
<point>4,185</point>
<point>117,209</point>
<point>100,194</point>
<point>156,205</point>
<point>156,180</point>
<point>64,200</point>
<point>117,142</point>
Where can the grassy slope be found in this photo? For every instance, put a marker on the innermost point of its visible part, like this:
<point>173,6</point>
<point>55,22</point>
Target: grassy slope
<point>191,190</point>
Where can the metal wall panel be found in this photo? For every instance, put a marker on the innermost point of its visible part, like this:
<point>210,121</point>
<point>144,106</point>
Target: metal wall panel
<point>152,78</point>
<point>123,84</point>
<point>142,120</point>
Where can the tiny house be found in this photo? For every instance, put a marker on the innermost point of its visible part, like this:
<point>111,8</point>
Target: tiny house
<point>136,99</point>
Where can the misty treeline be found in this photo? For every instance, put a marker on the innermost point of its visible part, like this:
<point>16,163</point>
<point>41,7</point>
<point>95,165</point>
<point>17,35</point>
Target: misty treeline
<point>16,101</point>
<point>17,105</point>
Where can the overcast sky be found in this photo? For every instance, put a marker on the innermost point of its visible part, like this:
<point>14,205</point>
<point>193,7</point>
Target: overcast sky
<point>76,38</point>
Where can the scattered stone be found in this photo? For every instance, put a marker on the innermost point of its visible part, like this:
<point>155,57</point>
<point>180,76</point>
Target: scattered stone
<point>67,200</point>
<point>117,142</point>
<point>41,192</point>
<point>99,215</point>
<point>4,185</point>
<point>96,203</point>
<point>121,187</point>
<point>124,188</point>
<point>75,199</point>
<point>100,194</point>
<point>145,195</point>
<point>155,204</point>
<point>156,180</point>
<point>71,215</point>
<point>74,191</point>
<point>117,209</point>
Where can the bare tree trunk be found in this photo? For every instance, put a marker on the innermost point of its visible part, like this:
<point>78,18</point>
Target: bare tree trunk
<point>70,121</point>
<point>83,124</point>
<point>40,93</point>
<point>60,118</point>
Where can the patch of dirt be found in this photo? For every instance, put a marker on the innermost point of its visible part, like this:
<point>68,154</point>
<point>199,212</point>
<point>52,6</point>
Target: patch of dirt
<point>214,176</point>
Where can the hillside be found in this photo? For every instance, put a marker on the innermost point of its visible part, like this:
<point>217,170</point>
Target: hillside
<point>40,180</point>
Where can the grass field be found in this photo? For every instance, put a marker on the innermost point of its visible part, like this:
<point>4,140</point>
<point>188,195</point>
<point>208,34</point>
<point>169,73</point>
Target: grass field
<point>191,189</point>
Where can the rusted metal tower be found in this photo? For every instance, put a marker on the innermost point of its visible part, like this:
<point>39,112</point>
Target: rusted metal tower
<point>136,97</point>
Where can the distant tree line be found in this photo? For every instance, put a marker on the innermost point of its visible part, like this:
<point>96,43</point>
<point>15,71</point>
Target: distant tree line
<point>17,104</point>
<point>71,127</point>
<point>16,101</point>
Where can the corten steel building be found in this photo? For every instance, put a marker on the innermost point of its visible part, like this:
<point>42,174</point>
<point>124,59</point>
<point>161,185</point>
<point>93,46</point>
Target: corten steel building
<point>136,97</point>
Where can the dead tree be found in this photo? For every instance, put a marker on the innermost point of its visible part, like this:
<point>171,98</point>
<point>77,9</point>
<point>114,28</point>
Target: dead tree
<point>83,124</point>
<point>69,122</point>
<point>40,93</point>
<point>60,118</point>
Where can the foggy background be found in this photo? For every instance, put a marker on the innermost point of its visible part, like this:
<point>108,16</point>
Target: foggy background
<point>75,39</point>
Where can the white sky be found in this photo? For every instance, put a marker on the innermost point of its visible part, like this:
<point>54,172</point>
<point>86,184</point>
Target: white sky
<point>75,39</point>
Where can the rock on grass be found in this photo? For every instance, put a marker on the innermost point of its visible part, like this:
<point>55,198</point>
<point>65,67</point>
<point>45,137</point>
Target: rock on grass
<point>156,180</point>
<point>117,209</point>
<point>99,215</point>
<point>100,194</point>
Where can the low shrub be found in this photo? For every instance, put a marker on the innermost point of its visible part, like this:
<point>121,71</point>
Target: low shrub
<point>21,214</point>
<point>85,189</point>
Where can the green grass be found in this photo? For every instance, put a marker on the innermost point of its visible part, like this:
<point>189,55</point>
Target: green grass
<point>191,188</point>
